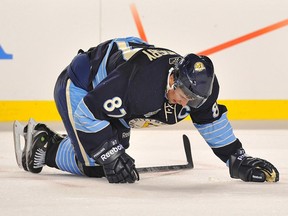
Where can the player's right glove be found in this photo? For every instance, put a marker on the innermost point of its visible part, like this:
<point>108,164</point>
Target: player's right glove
<point>252,169</point>
<point>118,166</point>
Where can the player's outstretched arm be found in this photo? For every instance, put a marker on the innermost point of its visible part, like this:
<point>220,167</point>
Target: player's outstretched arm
<point>248,168</point>
<point>118,166</point>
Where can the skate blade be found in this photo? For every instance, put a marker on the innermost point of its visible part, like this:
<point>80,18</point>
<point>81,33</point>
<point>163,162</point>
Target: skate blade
<point>18,131</point>
<point>31,125</point>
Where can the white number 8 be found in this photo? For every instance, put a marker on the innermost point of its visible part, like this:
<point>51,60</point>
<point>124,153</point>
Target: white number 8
<point>113,103</point>
<point>215,110</point>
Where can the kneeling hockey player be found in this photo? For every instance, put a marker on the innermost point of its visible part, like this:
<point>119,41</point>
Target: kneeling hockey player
<point>125,83</point>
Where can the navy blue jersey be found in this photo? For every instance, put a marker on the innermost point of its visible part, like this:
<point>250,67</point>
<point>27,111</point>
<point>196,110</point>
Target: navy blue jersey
<point>122,84</point>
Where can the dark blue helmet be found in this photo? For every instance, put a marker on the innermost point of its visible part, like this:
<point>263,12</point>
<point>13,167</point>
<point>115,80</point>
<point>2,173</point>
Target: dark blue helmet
<point>194,75</point>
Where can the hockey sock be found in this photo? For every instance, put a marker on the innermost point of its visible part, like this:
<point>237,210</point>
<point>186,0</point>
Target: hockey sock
<point>65,157</point>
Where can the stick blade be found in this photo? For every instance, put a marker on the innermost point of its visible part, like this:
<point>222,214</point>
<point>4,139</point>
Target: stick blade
<point>167,168</point>
<point>163,168</point>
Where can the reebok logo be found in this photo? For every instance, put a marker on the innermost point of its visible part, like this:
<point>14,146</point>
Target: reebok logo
<point>257,177</point>
<point>112,152</point>
<point>125,135</point>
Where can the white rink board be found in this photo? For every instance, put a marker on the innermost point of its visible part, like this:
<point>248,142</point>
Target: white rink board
<point>44,36</point>
<point>205,190</point>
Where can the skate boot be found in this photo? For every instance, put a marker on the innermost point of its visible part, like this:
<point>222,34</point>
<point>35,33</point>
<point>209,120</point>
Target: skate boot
<point>37,137</point>
<point>37,150</point>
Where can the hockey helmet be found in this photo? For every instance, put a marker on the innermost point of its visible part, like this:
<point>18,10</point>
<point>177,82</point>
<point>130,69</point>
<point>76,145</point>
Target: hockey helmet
<point>194,75</point>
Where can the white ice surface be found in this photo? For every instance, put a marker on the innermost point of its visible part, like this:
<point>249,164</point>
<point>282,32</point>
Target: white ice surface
<point>205,190</point>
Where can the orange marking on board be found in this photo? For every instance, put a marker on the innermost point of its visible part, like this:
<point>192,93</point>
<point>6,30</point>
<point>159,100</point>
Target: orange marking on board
<point>245,38</point>
<point>138,22</point>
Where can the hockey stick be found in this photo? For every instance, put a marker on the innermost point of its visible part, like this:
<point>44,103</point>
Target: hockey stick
<point>189,159</point>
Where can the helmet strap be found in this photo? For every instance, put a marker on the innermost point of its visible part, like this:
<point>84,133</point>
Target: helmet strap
<point>168,87</point>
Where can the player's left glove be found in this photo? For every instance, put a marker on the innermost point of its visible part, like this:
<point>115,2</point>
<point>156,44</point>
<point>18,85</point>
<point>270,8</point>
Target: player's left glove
<point>252,169</point>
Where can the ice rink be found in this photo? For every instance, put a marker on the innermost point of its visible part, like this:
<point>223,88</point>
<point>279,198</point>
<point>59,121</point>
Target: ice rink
<point>205,190</point>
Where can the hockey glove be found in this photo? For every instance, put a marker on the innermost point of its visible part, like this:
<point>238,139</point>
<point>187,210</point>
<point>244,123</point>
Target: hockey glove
<point>118,166</point>
<point>251,169</point>
<point>123,133</point>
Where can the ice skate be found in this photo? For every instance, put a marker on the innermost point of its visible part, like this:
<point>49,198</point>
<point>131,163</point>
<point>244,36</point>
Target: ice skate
<point>37,136</point>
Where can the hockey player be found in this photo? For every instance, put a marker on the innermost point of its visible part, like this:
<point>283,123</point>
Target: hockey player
<point>125,83</point>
